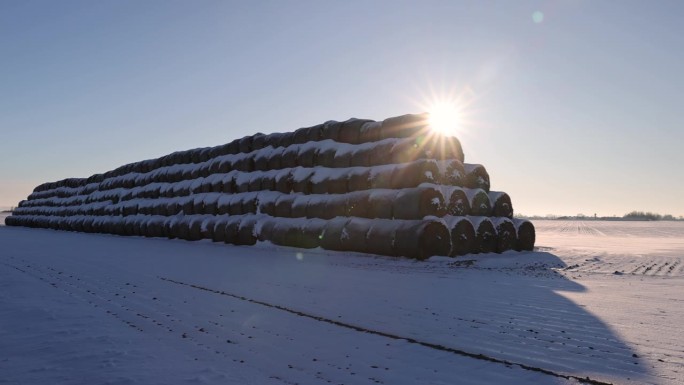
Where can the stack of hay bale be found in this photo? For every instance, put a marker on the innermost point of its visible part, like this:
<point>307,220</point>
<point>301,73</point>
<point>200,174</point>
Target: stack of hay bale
<point>392,188</point>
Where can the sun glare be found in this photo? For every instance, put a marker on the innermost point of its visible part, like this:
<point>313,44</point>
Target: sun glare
<point>444,118</point>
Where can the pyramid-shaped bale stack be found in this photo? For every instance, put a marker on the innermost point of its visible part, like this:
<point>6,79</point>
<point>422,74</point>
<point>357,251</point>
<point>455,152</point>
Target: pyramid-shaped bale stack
<point>392,188</point>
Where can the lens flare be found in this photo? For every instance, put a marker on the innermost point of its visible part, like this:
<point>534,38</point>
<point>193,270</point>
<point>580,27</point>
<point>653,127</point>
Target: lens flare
<point>444,118</point>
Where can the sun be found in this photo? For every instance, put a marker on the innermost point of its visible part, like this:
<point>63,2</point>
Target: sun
<point>444,118</point>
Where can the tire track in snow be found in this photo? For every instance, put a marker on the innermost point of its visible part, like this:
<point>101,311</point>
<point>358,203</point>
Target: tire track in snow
<point>361,329</point>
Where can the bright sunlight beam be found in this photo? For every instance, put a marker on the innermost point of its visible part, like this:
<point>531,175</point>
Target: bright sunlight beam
<point>444,118</point>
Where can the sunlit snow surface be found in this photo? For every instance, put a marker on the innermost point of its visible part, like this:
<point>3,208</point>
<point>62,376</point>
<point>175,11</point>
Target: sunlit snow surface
<point>602,300</point>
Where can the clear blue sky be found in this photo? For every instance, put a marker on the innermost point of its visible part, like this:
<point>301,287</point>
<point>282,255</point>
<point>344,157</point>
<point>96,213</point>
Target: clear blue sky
<point>579,113</point>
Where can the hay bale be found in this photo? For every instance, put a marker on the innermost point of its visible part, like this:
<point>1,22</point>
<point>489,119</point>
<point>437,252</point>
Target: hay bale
<point>476,176</point>
<point>342,159</point>
<point>301,180</point>
<point>337,180</point>
<point>231,229</point>
<point>317,207</point>
<point>525,235</point>
<point>380,237</point>
<point>266,203</point>
<point>350,130</point>
<point>219,232</point>
<point>326,157</point>
<point>266,229</point>
<point>361,157</point>
<point>235,205</point>
<point>404,151</point>
<point>245,144</point>
<point>501,204</point>
<point>485,231</point>
<point>358,204</point>
<point>249,204</point>
<point>331,130</point>
<point>417,203</point>
<point>246,230</point>
<point>421,239</point>
<point>299,206</point>
<point>404,126</point>
<point>505,233</point>
<point>442,147</point>
<point>463,237</point>
<point>381,177</point>
<point>479,202</point>
<point>255,181</point>
<point>358,179</point>
<point>369,131</point>
<point>283,181</point>
<point>332,234</point>
<point>290,157</point>
<point>457,201</point>
<point>308,157</point>
<point>314,133</point>
<point>413,174</point>
<point>381,153</point>
<point>285,139</point>
<point>261,159</point>
<point>353,236</point>
<point>312,233</point>
<point>452,172</point>
<point>381,203</point>
<point>319,183</point>
<point>283,205</point>
<point>300,136</point>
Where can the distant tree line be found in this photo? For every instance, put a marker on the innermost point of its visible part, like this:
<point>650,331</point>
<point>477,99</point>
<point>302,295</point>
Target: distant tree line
<point>631,216</point>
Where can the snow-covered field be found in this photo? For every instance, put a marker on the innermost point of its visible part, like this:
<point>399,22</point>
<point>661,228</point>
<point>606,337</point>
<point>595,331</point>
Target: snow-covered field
<point>598,300</point>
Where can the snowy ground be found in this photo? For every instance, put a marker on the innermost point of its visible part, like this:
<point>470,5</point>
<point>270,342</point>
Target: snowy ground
<point>601,300</point>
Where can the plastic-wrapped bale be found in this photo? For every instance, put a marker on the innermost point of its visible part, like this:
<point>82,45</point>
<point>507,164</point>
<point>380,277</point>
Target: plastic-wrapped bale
<point>332,233</point>
<point>501,204</point>
<point>358,179</point>
<point>246,234</point>
<point>404,126</point>
<point>476,176</point>
<point>505,234</point>
<point>380,237</point>
<point>370,132</point>
<point>283,181</point>
<point>421,239</point>
<point>479,202</point>
<point>452,172</point>
<point>444,147</point>
<point>266,202</point>
<point>302,233</point>
<point>342,159</point>
<point>456,201</point>
<point>417,203</point>
<point>463,237</point>
<point>381,203</point>
<point>350,130</point>
<point>299,206</point>
<point>283,205</point>
<point>290,157</point>
<point>353,237</point>
<point>485,232</point>
<point>308,156</point>
<point>525,235</point>
<point>381,152</point>
<point>413,174</point>
<point>357,204</point>
<point>231,229</point>
<point>301,180</point>
<point>331,130</point>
